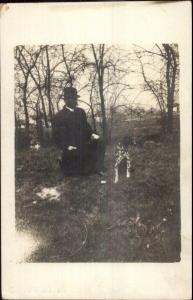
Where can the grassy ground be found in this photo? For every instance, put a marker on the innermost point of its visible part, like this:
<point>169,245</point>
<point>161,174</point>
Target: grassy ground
<point>137,219</point>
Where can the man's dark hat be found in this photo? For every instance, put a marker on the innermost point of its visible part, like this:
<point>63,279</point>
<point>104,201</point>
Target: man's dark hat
<point>70,93</point>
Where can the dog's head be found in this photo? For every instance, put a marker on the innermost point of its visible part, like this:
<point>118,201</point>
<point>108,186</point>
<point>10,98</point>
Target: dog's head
<point>127,141</point>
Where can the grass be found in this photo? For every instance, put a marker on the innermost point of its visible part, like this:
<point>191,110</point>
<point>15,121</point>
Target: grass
<point>137,219</point>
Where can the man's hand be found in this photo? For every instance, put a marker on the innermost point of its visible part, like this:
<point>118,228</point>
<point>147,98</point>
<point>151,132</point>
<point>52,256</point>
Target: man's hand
<point>71,148</point>
<point>95,136</point>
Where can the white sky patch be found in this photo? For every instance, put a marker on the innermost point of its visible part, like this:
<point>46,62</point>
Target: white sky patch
<point>25,245</point>
<point>50,194</point>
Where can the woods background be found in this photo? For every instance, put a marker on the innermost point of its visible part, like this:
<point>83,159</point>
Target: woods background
<point>115,83</point>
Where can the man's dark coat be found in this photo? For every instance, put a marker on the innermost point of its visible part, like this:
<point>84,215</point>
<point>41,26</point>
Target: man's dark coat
<point>71,128</point>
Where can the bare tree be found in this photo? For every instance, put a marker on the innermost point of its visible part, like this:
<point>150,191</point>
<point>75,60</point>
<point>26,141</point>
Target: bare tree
<point>92,89</point>
<point>48,85</point>
<point>171,57</point>
<point>36,78</point>
<point>164,85</point>
<point>100,68</point>
<point>102,73</point>
<point>23,85</point>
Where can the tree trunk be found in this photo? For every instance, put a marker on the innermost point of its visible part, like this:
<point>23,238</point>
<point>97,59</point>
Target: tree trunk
<point>112,112</point>
<point>16,133</point>
<point>16,122</point>
<point>170,116</point>
<point>44,109</point>
<point>163,121</point>
<point>93,120</point>
<point>169,96</point>
<point>100,73</point>
<point>48,87</point>
<point>39,125</point>
<point>104,122</point>
<point>92,110</point>
<point>170,79</point>
<point>24,100</point>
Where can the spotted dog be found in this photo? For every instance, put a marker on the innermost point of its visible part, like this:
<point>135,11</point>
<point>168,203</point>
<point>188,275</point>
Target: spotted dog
<point>121,153</point>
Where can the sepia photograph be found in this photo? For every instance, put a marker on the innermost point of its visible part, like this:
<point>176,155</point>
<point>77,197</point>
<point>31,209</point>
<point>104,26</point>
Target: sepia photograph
<point>97,158</point>
<point>96,125</point>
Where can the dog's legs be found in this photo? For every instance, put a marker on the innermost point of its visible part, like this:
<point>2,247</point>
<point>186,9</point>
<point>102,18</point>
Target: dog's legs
<point>116,174</point>
<point>128,175</point>
<point>128,167</point>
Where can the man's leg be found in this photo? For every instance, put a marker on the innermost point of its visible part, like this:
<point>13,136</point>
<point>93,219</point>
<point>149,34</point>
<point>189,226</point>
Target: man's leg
<point>97,155</point>
<point>71,163</point>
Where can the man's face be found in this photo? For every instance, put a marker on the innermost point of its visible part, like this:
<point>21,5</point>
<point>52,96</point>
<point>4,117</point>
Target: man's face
<point>71,102</point>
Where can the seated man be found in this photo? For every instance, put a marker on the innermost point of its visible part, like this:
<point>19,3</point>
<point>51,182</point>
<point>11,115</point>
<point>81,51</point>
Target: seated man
<point>83,151</point>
